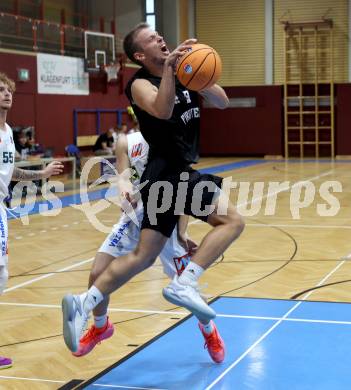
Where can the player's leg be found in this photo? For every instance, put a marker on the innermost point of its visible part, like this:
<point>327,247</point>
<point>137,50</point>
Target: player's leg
<point>103,327</point>
<point>76,308</point>
<point>226,228</point>
<point>4,361</point>
<point>213,341</point>
<point>123,238</point>
<point>4,276</point>
<point>174,259</point>
<point>119,272</point>
<point>101,262</point>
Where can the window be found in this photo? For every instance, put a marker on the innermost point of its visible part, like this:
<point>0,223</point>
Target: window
<point>151,20</point>
<point>150,16</point>
<point>150,6</point>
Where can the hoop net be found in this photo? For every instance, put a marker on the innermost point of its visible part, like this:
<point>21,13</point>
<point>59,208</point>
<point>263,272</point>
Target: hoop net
<point>112,71</point>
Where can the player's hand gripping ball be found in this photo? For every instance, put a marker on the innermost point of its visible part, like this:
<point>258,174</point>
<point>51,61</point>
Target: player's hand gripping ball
<point>199,68</point>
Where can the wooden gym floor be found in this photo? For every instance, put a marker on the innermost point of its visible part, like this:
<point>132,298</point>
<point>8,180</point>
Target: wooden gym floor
<point>277,256</point>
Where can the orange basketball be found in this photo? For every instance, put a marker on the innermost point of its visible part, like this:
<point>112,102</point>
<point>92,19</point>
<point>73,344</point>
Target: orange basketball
<point>199,68</point>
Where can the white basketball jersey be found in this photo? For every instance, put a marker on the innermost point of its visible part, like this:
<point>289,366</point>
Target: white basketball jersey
<point>7,160</point>
<point>138,151</point>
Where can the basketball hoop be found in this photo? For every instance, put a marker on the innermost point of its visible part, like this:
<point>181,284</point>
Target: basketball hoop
<point>112,71</point>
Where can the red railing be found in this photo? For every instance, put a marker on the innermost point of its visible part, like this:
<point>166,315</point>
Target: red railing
<point>22,33</point>
<point>33,26</point>
<point>49,12</point>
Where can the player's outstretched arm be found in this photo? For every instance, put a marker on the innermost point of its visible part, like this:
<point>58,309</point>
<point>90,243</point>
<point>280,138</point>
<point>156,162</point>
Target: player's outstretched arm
<point>216,96</point>
<point>52,169</point>
<point>124,184</point>
<point>121,151</point>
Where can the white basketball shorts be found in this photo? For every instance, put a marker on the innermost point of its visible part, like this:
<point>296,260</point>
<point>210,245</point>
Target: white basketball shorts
<point>125,235</point>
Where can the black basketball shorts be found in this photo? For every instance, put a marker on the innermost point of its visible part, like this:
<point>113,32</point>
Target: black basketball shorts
<point>169,195</point>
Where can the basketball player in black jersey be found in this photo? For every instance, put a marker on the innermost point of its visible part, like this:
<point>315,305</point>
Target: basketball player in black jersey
<point>169,116</point>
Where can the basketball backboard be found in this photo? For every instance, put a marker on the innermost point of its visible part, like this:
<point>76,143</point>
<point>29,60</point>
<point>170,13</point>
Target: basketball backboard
<point>99,50</point>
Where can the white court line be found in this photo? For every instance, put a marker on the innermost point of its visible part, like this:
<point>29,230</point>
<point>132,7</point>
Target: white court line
<point>182,313</point>
<point>94,384</point>
<point>37,305</point>
<point>126,387</point>
<point>293,226</point>
<point>30,379</point>
<point>15,287</point>
<point>270,330</point>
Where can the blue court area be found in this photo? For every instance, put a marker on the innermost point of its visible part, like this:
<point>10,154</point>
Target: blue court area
<point>271,345</point>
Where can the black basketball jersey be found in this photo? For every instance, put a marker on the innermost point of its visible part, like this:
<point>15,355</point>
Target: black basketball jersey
<point>175,140</point>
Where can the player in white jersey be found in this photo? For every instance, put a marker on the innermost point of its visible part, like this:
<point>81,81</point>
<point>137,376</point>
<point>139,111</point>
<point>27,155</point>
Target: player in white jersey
<point>125,234</point>
<point>9,172</point>
<point>131,152</point>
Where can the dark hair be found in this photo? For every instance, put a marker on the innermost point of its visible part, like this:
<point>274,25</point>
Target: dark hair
<point>129,45</point>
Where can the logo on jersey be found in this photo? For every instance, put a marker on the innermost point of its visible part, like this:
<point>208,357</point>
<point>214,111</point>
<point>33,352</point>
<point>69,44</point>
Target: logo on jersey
<point>188,68</point>
<point>3,248</point>
<point>137,150</point>
<point>116,237</point>
<point>181,262</point>
<point>3,236</point>
<point>186,94</point>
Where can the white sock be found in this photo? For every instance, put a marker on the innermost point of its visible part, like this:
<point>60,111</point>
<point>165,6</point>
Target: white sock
<point>91,299</point>
<point>208,328</point>
<point>100,321</point>
<point>191,273</point>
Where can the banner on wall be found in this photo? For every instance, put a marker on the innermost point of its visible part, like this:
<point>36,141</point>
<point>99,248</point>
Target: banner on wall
<point>61,75</point>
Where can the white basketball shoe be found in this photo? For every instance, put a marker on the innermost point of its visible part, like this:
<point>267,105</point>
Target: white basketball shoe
<point>188,296</point>
<point>74,320</point>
